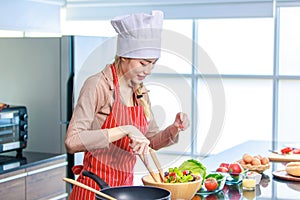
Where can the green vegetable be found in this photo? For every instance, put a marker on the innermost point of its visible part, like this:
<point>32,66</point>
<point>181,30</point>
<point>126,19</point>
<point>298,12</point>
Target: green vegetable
<point>194,166</point>
<point>217,176</point>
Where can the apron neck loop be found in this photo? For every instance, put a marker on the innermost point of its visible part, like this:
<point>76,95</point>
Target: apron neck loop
<point>114,73</point>
<point>116,84</point>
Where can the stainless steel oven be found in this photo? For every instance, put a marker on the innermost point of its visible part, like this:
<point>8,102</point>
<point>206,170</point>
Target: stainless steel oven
<point>13,128</point>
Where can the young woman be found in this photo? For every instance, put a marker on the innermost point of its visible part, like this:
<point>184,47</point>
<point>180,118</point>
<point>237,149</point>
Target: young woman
<point>112,121</point>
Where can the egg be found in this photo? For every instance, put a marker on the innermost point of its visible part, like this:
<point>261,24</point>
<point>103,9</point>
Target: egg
<point>255,161</point>
<point>242,162</point>
<point>264,160</point>
<point>247,158</point>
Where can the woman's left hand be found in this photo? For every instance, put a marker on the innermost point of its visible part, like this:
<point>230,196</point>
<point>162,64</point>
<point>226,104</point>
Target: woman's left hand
<point>182,121</point>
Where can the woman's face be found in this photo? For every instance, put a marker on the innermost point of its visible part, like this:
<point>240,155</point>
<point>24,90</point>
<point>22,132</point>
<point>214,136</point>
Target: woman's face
<point>136,70</point>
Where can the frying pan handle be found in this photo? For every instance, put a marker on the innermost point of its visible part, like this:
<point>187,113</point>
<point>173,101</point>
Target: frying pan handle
<point>102,184</point>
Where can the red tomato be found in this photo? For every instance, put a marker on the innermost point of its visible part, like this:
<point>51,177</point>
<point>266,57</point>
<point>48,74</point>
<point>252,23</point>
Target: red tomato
<point>224,165</point>
<point>185,172</point>
<point>222,169</point>
<point>235,168</point>
<point>286,150</point>
<point>211,184</point>
<point>172,174</point>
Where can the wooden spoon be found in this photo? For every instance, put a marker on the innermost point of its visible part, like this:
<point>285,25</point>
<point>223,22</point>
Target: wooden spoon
<point>158,166</point>
<point>148,167</point>
<point>88,188</point>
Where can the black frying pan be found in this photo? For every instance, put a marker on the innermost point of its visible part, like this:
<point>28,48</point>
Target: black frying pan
<point>129,192</point>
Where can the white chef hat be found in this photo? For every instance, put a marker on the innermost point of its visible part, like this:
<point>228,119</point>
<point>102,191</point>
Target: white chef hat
<point>139,35</point>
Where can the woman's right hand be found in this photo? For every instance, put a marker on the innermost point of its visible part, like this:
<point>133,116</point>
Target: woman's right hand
<point>139,143</point>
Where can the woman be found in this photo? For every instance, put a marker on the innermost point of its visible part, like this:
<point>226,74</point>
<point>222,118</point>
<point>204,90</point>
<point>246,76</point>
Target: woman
<point>112,121</point>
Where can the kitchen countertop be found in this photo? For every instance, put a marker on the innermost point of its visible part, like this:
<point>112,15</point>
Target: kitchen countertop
<point>269,187</point>
<point>9,162</point>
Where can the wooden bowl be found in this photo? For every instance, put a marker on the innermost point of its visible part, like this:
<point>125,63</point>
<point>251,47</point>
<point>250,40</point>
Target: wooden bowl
<point>178,190</point>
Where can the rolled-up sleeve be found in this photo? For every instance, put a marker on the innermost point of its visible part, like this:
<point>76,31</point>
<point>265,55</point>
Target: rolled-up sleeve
<point>84,131</point>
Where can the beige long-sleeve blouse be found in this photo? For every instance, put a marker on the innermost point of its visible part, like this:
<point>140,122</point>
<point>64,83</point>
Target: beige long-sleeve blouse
<point>94,104</point>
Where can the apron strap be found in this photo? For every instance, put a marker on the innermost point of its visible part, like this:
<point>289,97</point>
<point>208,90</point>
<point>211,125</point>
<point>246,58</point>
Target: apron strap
<point>116,84</point>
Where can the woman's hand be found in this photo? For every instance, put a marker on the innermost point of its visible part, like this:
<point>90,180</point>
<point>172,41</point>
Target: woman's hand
<point>182,121</point>
<point>139,143</point>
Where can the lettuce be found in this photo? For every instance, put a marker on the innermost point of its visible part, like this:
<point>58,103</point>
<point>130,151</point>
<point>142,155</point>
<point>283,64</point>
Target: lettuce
<point>194,166</point>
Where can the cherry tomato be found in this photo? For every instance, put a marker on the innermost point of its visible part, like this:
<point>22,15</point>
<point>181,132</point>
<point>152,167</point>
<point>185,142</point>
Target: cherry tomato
<point>286,150</point>
<point>211,184</point>
<point>172,176</point>
<point>185,172</point>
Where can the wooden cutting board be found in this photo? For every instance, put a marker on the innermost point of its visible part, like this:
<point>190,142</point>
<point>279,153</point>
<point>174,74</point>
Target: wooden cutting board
<point>284,158</point>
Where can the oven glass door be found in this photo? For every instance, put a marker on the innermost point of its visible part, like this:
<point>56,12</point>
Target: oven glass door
<point>9,126</point>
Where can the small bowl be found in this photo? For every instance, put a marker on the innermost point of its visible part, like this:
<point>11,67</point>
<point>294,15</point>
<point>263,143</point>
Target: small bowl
<point>254,175</point>
<point>235,178</point>
<point>178,190</point>
<point>221,183</point>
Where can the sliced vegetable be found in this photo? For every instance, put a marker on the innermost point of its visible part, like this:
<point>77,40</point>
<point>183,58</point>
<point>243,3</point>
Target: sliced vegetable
<point>175,175</point>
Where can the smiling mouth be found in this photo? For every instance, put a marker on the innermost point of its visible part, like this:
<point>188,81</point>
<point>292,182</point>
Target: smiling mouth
<point>141,77</point>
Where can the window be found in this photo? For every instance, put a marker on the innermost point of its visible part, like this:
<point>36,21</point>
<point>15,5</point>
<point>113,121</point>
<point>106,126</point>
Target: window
<point>289,60</point>
<point>238,46</point>
<point>170,82</point>
<point>231,82</point>
<point>238,56</point>
<point>221,71</point>
<point>289,74</point>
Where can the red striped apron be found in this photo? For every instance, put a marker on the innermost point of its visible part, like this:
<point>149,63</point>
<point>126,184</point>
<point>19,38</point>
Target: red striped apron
<point>115,164</point>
